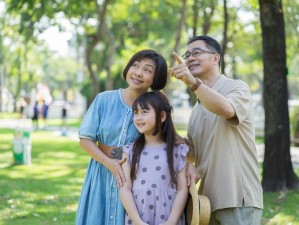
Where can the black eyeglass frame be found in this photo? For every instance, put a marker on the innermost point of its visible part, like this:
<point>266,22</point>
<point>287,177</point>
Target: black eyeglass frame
<point>199,52</point>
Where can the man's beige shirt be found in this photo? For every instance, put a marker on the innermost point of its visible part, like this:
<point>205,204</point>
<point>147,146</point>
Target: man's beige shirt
<point>225,152</point>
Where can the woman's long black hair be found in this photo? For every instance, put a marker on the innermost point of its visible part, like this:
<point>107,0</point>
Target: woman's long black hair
<point>159,103</point>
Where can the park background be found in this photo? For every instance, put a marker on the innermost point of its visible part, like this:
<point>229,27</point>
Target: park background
<point>71,50</point>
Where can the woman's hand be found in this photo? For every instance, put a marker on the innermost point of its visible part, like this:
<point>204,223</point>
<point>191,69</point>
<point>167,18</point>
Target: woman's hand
<point>115,168</point>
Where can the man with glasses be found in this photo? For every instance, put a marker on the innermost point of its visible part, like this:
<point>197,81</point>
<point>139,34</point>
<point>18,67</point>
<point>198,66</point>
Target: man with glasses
<point>221,136</point>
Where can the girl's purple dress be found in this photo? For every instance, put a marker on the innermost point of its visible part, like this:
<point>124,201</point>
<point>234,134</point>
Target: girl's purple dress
<point>152,190</point>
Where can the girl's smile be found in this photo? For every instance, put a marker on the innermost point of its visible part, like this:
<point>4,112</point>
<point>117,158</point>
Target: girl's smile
<point>145,120</point>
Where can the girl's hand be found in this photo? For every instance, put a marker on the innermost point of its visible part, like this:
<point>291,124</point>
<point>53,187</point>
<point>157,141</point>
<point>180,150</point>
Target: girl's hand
<point>115,168</point>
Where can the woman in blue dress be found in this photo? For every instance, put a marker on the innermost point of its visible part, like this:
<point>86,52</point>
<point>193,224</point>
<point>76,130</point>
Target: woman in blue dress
<point>108,125</point>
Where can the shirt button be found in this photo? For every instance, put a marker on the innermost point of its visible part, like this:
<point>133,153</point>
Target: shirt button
<point>111,217</point>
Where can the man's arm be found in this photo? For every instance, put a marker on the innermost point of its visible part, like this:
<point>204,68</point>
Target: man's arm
<point>212,100</point>
<point>191,173</point>
<point>215,102</point>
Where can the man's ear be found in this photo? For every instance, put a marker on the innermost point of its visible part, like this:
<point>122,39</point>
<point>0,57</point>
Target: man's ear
<point>216,58</point>
<point>163,116</point>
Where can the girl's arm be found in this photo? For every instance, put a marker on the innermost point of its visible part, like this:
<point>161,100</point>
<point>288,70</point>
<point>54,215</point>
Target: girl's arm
<point>113,165</point>
<point>126,195</point>
<point>180,199</point>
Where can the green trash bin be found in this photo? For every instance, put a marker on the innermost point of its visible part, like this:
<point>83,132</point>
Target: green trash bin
<point>22,147</point>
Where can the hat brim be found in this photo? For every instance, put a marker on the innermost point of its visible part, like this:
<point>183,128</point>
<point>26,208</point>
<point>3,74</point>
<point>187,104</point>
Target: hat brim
<point>198,208</point>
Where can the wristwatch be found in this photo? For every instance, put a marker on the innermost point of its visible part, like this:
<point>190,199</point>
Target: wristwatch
<point>196,85</point>
<point>117,153</point>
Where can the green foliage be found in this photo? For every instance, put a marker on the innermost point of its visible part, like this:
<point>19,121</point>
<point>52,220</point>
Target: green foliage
<point>295,120</point>
<point>86,89</point>
<point>134,25</point>
<point>29,13</point>
<point>61,72</point>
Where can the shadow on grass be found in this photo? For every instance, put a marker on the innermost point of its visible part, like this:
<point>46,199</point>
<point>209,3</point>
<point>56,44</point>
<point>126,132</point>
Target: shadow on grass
<point>281,208</point>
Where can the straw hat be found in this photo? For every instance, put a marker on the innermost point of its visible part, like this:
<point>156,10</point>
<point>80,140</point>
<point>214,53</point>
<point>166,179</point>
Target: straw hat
<point>198,208</point>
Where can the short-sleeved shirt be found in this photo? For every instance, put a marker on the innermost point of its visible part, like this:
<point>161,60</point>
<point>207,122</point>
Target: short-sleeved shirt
<point>152,189</point>
<point>224,150</point>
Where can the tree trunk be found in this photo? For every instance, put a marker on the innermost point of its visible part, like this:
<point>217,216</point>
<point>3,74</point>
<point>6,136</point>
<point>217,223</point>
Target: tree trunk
<point>16,94</point>
<point>224,42</point>
<point>112,48</point>
<point>91,44</point>
<point>179,30</point>
<point>92,75</point>
<point>195,8</point>
<point>2,84</point>
<point>207,15</point>
<point>206,25</point>
<point>278,171</point>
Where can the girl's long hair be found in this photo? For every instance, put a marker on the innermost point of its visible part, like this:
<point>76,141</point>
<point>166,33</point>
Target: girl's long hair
<point>159,103</point>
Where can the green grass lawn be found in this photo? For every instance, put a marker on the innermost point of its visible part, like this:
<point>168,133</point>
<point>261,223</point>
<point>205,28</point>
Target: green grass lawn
<point>47,191</point>
<point>70,122</point>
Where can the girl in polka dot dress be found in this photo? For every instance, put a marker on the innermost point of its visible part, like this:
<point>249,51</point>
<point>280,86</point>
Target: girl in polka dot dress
<point>155,191</point>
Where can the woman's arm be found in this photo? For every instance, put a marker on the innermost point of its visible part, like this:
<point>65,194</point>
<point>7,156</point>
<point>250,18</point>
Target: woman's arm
<point>180,199</point>
<point>113,165</point>
<point>126,195</point>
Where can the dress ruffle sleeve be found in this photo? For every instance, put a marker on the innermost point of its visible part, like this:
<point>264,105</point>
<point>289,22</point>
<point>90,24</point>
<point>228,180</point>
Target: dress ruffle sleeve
<point>91,120</point>
<point>180,154</point>
<point>128,149</point>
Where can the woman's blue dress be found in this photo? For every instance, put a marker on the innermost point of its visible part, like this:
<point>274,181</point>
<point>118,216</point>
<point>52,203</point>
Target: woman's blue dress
<point>110,121</point>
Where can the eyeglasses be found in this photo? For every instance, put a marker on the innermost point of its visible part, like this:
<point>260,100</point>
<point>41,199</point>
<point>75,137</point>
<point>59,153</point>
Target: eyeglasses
<point>195,53</point>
